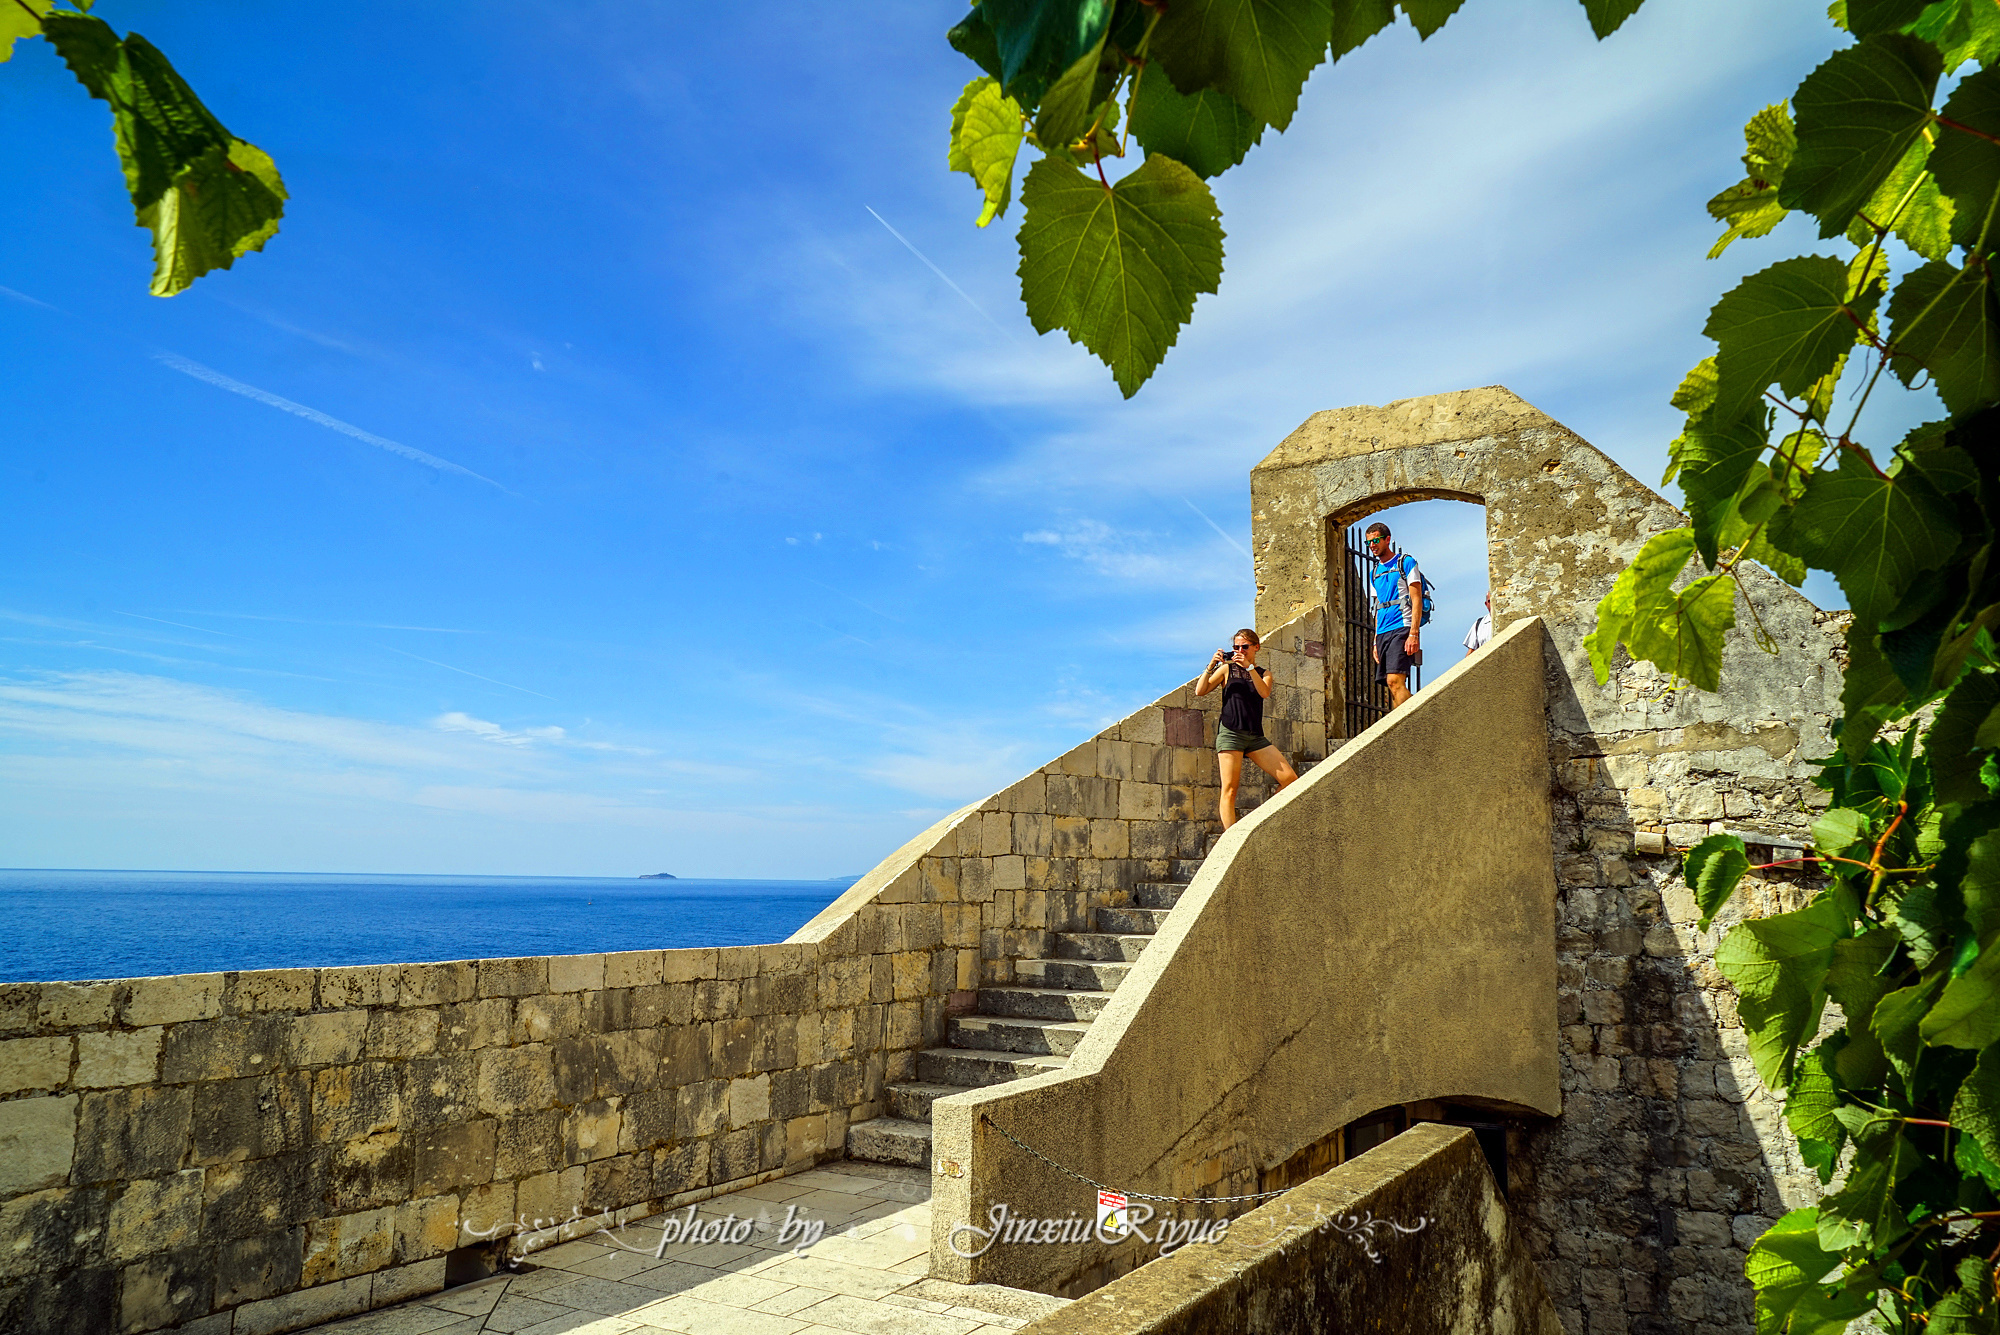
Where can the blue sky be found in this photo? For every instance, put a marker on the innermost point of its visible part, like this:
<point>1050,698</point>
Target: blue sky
<point>645,504</point>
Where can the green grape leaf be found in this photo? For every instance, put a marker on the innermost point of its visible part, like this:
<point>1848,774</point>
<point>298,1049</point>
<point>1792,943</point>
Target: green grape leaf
<point>1427,16</point>
<point>1809,1106</point>
<point>1790,323</point>
<point>1687,638</point>
<point>1779,967</point>
<point>1681,632</point>
<point>1857,115</point>
<point>1065,112</point>
<point>1751,206</point>
<point>973,38</point>
<point>1716,457</point>
<point>1608,16</point>
<point>1967,166</point>
<point>1039,41</point>
<point>1945,321</point>
<point>1854,980</point>
<point>1970,1309</point>
<point>1751,209</point>
<point>1788,1268</point>
<point>20,19</point>
<point>1208,132</point>
<point>1838,830</point>
<point>1864,1210</point>
<point>1897,1020</point>
<point>1713,868</point>
<point>1962,29</point>
<point>1118,269</point>
<point>1981,890</point>
<point>1696,393</point>
<point>207,196</point>
<point>1870,691</point>
<point>1873,16</point>
<point>1910,197</point>
<point>1953,742</point>
<point>1355,21</point>
<point>1875,534</point>
<point>1976,1108</point>
<point>985,140</point>
<point>1855,983</point>
<point>1257,51</point>
<point>1968,1014</point>
<point>1641,588</point>
<point>1769,141</point>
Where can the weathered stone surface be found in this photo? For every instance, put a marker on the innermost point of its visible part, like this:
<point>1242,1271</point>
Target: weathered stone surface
<point>137,1132</point>
<point>513,1080</point>
<point>164,1290</point>
<point>256,1267</point>
<point>159,1214</point>
<point>118,1057</point>
<point>250,1119</point>
<point>455,1155</point>
<point>49,1231</point>
<point>172,999</point>
<point>34,1064</point>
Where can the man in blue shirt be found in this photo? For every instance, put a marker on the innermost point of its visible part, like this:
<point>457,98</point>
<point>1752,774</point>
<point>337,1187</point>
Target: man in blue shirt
<point>1399,599</point>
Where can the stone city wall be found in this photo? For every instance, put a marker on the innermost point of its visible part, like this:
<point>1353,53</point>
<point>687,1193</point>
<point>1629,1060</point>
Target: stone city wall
<point>1381,932</point>
<point>256,1152</point>
<point>1640,1202</point>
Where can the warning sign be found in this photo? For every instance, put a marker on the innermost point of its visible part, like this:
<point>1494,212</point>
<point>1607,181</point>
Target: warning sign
<point>1112,1221</point>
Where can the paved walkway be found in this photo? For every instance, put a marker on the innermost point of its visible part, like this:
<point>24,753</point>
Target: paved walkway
<point>866,1274</point>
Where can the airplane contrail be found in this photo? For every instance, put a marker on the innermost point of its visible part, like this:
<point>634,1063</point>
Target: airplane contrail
<point>221,381</point>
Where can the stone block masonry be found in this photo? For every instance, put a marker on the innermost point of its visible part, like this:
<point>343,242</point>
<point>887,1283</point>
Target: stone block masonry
<point>259,1152</point>
<point>1640,1202</point>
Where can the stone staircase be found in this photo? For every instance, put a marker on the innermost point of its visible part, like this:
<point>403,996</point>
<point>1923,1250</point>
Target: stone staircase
<point>1025,1027</point>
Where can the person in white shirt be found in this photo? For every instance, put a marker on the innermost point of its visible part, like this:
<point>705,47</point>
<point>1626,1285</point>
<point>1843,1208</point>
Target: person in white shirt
<point>1482,629</point>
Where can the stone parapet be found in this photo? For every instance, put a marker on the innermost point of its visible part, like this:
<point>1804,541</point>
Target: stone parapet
<point>277,1148</point>
<point>1381,932</point>
<point>1411,1236</point>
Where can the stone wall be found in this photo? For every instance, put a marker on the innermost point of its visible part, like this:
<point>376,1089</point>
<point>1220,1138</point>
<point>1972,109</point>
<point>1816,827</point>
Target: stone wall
<point>255,1152</point>
<point>1381,932</point>
<point>1640,1201</point>
<point>1290,1266</point>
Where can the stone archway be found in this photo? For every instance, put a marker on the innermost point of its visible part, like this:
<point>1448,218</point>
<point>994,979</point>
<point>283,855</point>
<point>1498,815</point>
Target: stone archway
<point>1638,1202</point>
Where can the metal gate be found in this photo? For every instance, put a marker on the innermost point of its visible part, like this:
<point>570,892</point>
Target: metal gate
<point>1367,695</point>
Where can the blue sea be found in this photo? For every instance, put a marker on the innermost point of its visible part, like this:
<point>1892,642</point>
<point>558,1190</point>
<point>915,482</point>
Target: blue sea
<point>64,925</point>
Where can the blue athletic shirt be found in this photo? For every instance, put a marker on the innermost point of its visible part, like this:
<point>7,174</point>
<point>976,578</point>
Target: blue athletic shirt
<point>1389,579</point>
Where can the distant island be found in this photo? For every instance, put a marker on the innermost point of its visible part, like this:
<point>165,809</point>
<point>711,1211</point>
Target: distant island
<point>659,876</point>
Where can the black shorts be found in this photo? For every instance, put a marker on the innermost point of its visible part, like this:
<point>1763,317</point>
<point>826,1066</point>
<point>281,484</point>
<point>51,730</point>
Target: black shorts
<point>1394,658</point>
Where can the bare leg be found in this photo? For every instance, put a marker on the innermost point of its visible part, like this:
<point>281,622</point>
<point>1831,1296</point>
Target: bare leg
<point>1399,690</point>
<point>1231,765</point>
<point>1272,761</point>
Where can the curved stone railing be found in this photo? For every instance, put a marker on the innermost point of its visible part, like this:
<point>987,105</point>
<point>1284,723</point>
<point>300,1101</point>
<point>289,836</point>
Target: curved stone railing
<point>1382,932</point>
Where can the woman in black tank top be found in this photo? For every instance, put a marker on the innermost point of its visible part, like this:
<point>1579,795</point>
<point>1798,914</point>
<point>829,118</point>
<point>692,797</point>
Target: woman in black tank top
<point>1240,730</point>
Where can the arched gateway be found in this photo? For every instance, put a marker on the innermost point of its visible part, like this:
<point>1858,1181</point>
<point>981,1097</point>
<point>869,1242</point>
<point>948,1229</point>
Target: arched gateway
<point>1669,1158</point>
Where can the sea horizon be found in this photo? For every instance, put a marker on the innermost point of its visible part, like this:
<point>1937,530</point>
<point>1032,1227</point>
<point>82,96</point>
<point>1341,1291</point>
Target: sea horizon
<point>93,924</point>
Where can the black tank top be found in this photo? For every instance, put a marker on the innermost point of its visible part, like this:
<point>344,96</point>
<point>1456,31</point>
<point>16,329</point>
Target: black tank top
<point>1242,707</point>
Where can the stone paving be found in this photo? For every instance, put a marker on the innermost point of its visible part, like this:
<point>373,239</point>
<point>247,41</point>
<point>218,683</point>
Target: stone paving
<point>866,1274</point>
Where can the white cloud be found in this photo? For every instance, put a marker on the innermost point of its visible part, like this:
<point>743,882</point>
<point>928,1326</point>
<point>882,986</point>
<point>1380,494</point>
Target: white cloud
<point>493,732</point>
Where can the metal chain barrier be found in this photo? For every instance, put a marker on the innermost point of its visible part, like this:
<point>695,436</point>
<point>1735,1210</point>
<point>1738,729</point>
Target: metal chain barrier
<point>1132,1195</point>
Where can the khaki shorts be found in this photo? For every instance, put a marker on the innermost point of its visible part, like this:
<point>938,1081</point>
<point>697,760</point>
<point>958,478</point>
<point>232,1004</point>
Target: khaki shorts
<point>1246,742</point>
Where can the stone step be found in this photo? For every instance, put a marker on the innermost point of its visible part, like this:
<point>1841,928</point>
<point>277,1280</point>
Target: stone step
<point>1098,946</point>
<point>1185,868</point>
<point>1159,894</point>
<point>1006,1033</point>
<point>1043,1003</point>
<point>1139,922</point>
<point>890,1140</point>
<point>967,1067</point>
<point>912,1100</point>
<point>1076,974</point>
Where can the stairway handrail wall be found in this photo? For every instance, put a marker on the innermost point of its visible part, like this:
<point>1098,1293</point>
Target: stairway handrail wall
<point>1382,932</point>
